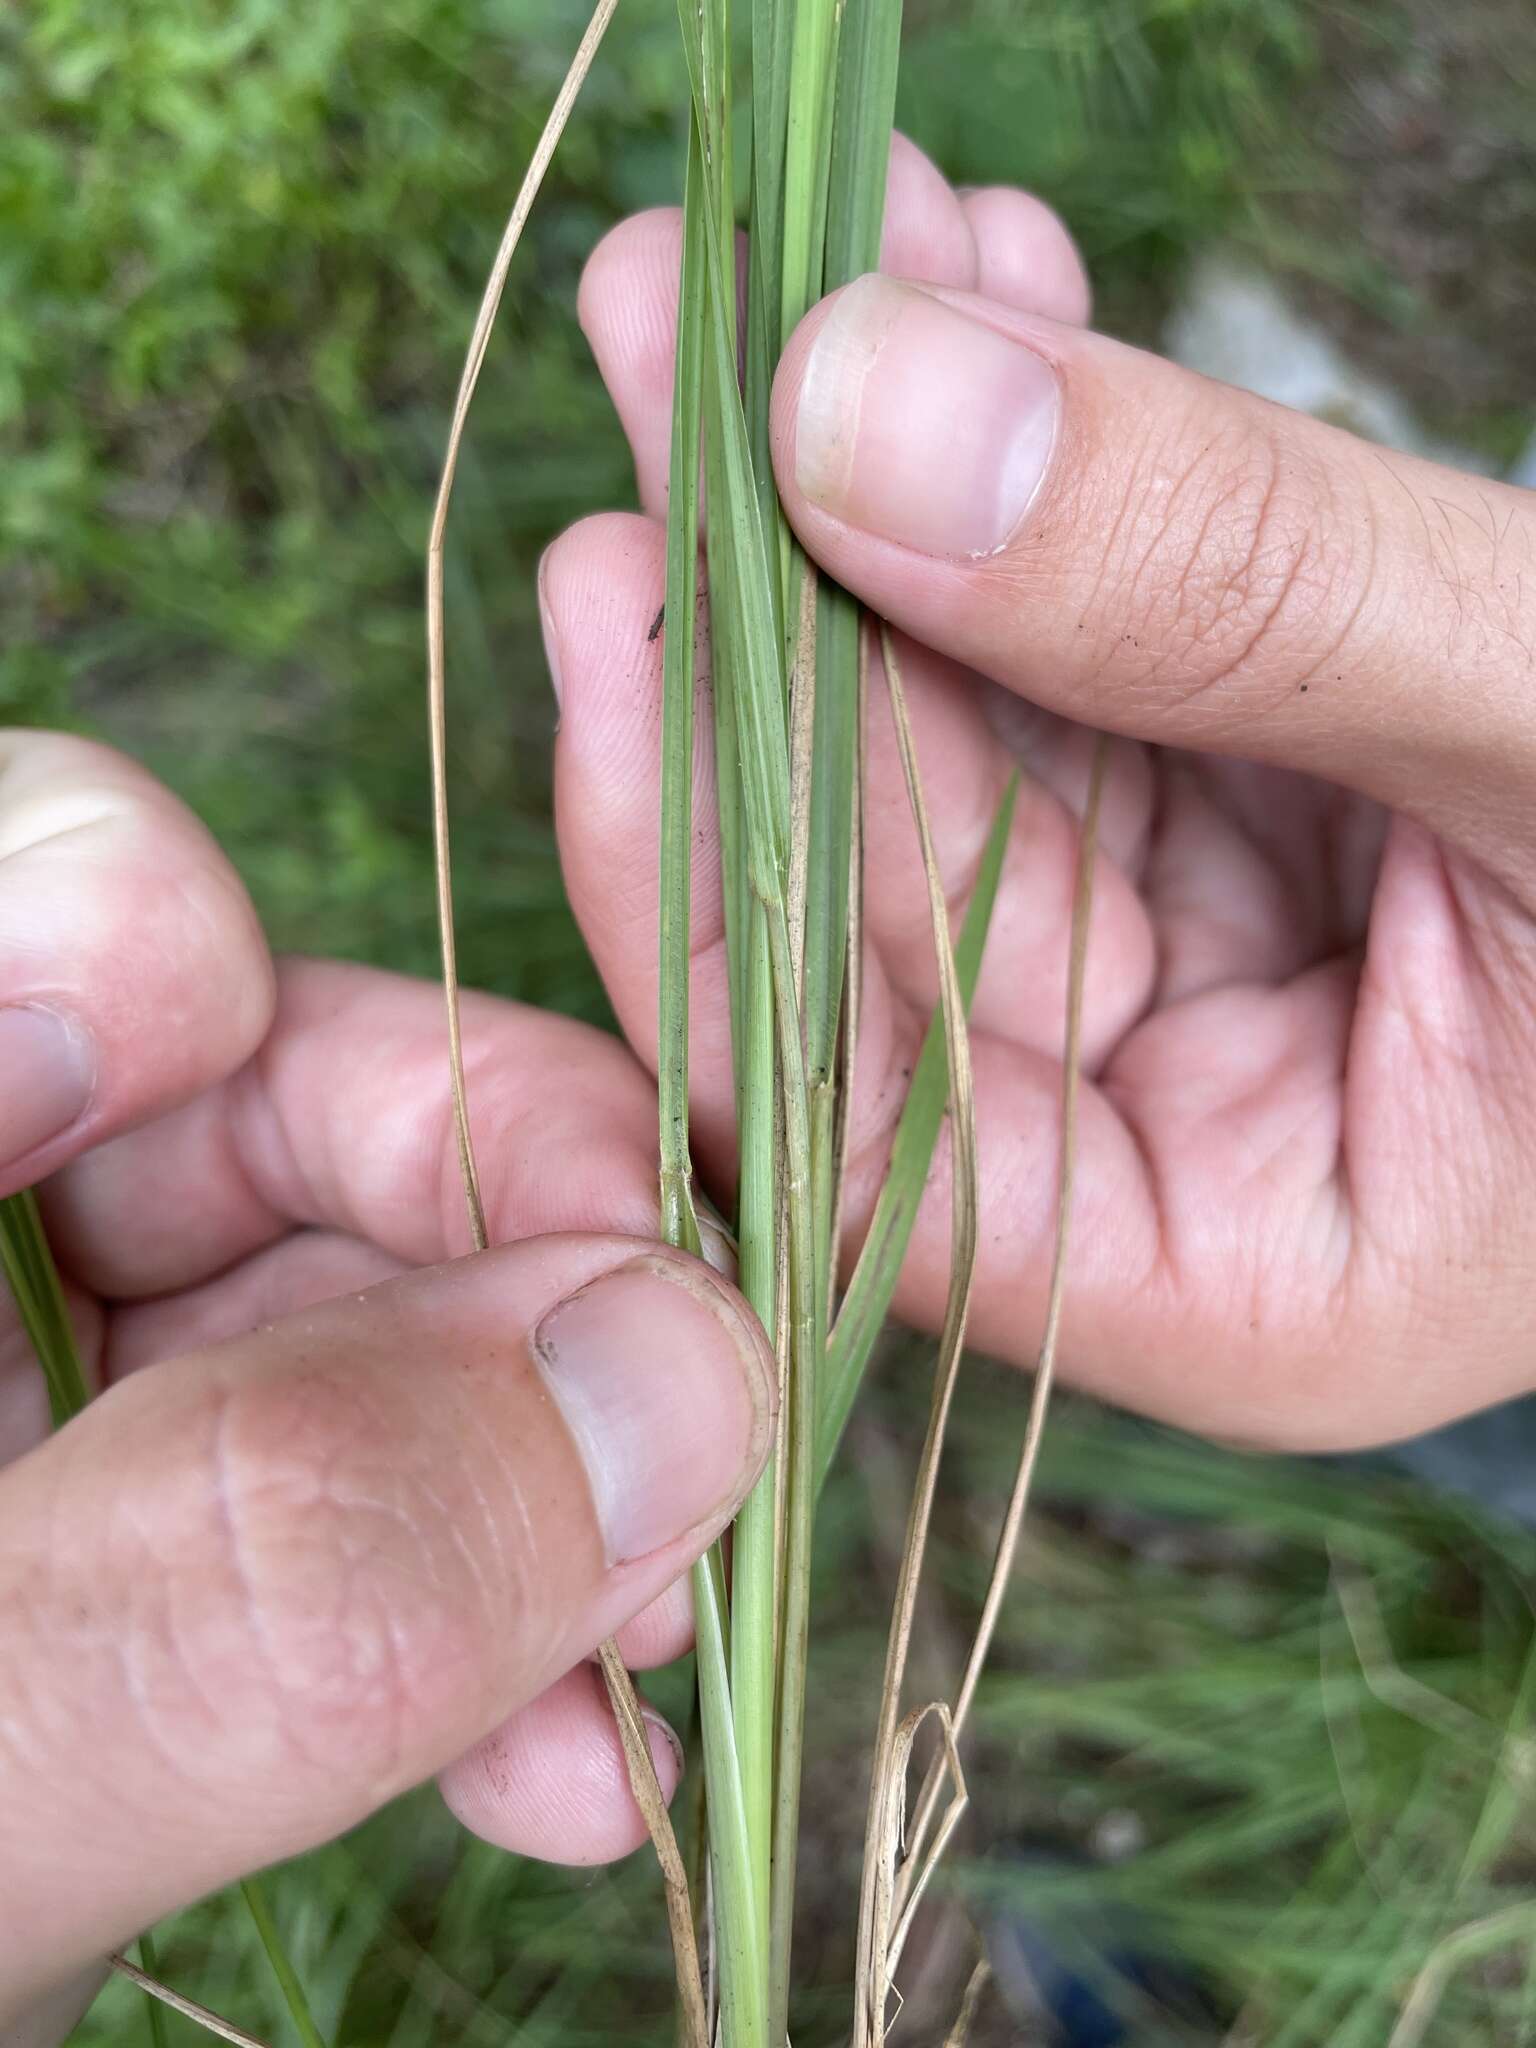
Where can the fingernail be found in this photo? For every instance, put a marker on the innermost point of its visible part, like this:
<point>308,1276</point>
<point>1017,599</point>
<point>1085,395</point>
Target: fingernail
<point>666,1386</point>
<point>921,425</point>
<point>46,1076</point>
<point>717,1245</point>
<point>664,1744</point>
<point>551,638</point>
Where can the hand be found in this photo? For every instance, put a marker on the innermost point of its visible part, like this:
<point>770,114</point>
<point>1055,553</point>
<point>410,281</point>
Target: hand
<point>297,1558</point>
<point>1307,1175</point>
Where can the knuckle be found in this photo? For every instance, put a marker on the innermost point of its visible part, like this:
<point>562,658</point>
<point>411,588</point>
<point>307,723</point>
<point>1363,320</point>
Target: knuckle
<point>1229,581</point>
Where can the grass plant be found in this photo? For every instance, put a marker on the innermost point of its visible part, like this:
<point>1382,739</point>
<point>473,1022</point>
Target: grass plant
<point>789,692</point>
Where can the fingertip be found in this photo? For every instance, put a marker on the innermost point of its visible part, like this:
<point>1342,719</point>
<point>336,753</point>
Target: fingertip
<point>601,585</point>
<point>552,1781</point>
<point>925,233</point>
<point>134,972</point>
<point>626,304</point>
<point>1025,255</point>
<point>661,1632</point>
<point>626,301</point>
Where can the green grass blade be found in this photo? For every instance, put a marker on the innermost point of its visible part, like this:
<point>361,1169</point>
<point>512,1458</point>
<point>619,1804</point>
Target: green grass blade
<point>868,1299</point>
<point>678,1221</point>
<point>34,1281</point>
<point>858,147</point>
<point>772,49</point>
<point>758,689</point>
<point>282,1969</point>
<point>868,52</point>
<point>754,1595</point>
<point>155,2012</point>
<point>740,1929</point>
<point>740,1865</point>
<point>807,159</point>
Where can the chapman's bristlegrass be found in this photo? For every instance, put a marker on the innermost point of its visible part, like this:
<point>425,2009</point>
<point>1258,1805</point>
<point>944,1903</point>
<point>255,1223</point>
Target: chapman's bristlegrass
<point>788,695</point>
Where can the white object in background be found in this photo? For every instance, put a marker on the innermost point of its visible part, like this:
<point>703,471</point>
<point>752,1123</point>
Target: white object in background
<point>1233,323</point>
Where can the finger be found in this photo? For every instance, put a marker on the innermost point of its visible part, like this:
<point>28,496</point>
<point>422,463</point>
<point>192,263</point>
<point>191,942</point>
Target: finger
<point>304,1268</point>
<point>599,587</point>
<point>601,584</point>
<point>344,1122</point>
<point>552,1782</point>
<point>601,581</point>
<point>301,1270</point>
<point>251,1596</point>
<point>1024,256</point>
<point>1148,551</point>
<point>132,969</point>
<point>1022,987</point>
<point>627,303</point>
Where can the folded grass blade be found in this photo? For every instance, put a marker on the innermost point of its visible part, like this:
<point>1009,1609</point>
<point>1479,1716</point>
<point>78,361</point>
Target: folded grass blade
<point>868,1298</point>
<point>1045,1367</point>
<point>889,1767</point>
<point>437,661</point>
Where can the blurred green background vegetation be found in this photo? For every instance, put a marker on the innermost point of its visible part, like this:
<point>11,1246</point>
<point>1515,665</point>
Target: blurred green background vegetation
<point>1268,1720</point>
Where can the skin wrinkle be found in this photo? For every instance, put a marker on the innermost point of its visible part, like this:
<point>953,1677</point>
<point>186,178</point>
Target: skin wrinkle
<point>1159,524</point>
<point>341,1540</point>
<point>373,1613</point>
<point>27,1592</point>
<point>1230,612</point>
<point>222,1501</point>
<point>1505,963</point>
<point>1473,587</point>
<point>154,1625</point>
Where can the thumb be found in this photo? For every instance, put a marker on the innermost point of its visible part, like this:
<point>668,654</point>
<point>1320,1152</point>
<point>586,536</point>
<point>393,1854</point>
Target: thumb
<point>249,1596</point>
<point>1148,551</point>
<point>133,972</point>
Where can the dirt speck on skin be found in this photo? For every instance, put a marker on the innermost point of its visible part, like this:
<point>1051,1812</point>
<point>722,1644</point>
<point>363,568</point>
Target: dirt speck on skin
<point>1427,115</point>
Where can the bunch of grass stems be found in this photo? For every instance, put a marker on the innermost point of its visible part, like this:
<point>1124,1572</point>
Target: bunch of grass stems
<point>790,676</point>
<point>789,679</point>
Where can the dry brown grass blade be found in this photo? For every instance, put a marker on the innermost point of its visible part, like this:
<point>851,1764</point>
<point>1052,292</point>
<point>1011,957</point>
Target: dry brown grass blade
<point>621,1690</point>
<point>637,1756</point>
<point>888,1789</point>
<point>970,2005</point>
<point>188,2007</point>
<point>1462,1945</point>
<point>889,1815</point>
<point>1045,1369</point>
<point>1398,1689</point>
<point>437,716</point>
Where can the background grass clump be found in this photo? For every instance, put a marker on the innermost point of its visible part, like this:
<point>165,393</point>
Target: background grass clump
<point>1257,1731</point>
